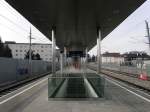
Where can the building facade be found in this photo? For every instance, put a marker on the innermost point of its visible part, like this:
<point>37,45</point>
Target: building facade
<point>112,58</point>
<point>19,50</point>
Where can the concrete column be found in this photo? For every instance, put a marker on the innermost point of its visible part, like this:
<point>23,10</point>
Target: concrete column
<point>61,62</point>
<point>53,53</point>
<point>86,58</point>
<point>65,56</point>
<point>99,60</point>
<point>30,53</point>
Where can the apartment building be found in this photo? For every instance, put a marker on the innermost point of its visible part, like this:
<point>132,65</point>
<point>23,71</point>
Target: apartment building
<point>19,50</point>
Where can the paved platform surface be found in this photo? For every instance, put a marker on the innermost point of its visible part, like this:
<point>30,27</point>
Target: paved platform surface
<point>40,103</point>
<point>117,98</point>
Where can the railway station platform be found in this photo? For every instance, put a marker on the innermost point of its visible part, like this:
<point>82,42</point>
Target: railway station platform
<point>117,97</point>
<point>74,27</point>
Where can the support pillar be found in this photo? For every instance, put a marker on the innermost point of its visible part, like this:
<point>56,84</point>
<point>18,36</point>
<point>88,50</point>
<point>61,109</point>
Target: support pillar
<point>61,62</point>
<point>65,56</point>
<point>86,58</point>
<point>53,53</point>
<point>30,52</point>
<point>99,58</point>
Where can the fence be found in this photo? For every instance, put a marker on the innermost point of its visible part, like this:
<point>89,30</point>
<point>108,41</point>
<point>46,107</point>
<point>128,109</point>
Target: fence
<point>12,70</point>
<point>132,67</point>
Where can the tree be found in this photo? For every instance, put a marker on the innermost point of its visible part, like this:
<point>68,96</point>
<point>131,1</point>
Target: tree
<point>1,48</point>
<point>38,57</point>
<point>133,55</point>
<point>33,56</point>
<point>5,51</point>
<point>27,55</point>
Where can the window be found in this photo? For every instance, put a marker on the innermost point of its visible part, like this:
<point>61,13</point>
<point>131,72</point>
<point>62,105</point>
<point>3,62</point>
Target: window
<point>16,50</point>
<point>42,51</point>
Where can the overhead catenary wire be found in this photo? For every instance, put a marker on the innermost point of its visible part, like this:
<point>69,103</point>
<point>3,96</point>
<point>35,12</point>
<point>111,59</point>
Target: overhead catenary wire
<point>18,33</point>
<point>13,12</point>
<point>6,18</point>
<point>16,14</point>
<point>18,26</point>
<point>132,28</point>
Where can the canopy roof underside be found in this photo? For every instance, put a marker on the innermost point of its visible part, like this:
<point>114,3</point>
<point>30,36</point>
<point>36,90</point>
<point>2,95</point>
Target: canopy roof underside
<point>76,21</point>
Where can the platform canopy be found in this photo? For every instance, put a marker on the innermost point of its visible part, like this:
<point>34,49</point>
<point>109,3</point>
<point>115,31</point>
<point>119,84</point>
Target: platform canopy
<point>76,21</point>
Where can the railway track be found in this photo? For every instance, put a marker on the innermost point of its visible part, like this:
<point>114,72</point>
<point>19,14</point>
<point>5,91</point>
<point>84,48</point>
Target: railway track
<point>14,86</point>
<point>124,81</point>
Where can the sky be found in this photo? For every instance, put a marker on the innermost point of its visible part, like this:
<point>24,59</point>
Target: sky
<point>128,36</point>
<point>14,27</point>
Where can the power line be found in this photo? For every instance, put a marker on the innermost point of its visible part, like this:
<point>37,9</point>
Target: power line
<point>13,23</point>
<point>16,13</point>
<point>13,30</point>
<point>40,39</point>
<point>133,28</point>
<point>16,25</point>
<point>10,8</point>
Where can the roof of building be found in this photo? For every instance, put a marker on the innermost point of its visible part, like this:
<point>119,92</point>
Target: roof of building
<point>76,22</point>
<point>107,54</point>
<point>13,42</point>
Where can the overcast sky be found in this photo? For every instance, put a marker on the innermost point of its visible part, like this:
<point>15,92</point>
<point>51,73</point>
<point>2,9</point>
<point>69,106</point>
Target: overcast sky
<point>128,36</point>
<point>14,27</point>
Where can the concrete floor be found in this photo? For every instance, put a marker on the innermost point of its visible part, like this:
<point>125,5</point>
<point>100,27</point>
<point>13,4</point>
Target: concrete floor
<point>116,100</point>
<point>39,103</point>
